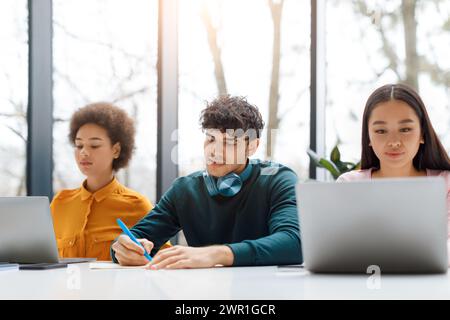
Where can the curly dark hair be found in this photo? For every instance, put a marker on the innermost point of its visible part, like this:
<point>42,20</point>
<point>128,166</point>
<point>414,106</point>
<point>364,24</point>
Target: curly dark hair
<point>119,126</point>
<point>232,112</point>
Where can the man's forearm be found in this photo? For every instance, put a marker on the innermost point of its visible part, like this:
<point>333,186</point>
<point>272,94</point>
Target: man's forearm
<point>283,247</point>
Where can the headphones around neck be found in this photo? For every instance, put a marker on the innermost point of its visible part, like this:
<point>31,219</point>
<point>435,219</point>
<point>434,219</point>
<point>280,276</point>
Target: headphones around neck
<point>228,185</point>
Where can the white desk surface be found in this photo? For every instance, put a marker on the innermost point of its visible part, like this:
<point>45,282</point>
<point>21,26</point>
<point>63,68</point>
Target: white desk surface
<point>80,282</point>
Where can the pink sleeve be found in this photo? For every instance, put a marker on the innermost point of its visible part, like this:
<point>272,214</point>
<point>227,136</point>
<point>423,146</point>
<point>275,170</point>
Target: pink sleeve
<point>342,178</point>
<point>448,210</point>
<point>355,175</point>
<point>447,177</point>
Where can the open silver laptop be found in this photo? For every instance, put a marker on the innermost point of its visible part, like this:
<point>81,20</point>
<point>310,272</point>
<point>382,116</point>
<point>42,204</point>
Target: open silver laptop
<point>27,236</point>
<point>399,225</point>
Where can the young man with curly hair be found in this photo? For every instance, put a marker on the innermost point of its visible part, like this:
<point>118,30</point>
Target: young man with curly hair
<point>237,212</point>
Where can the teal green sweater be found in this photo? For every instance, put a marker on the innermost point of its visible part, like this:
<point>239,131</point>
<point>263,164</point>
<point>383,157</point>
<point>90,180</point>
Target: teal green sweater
<point>259,224</point>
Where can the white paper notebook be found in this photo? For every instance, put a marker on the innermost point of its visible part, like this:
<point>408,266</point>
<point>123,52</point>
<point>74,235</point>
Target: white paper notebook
<point>110,265</point>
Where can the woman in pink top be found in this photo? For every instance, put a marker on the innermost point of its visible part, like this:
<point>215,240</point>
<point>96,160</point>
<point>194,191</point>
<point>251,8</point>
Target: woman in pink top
<point>398,139</point>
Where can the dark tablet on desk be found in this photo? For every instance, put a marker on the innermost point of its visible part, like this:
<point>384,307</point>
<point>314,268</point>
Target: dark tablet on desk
<point>42,266</point>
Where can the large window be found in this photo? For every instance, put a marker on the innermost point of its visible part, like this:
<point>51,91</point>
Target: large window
<point>253,48</point>
<point>106,51</point>
<point>13,96</point>
<point>371,43</point>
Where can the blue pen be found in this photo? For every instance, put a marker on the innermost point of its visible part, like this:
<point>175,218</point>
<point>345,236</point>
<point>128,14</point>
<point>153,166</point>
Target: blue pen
<point>133,238</point>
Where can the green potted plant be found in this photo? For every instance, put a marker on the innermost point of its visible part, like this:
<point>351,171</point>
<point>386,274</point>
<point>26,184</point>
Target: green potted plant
<point>334,165</point>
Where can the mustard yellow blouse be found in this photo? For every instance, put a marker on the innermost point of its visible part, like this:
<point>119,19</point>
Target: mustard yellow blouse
<point>85,223</point>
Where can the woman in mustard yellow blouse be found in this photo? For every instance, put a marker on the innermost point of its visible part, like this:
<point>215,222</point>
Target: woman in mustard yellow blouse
<point>85,218</point>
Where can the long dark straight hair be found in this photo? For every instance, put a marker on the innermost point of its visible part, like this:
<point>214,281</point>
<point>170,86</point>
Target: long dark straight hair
<point>431,154</point>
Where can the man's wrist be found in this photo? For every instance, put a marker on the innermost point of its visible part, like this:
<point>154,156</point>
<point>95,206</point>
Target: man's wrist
<point>224,255</point>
